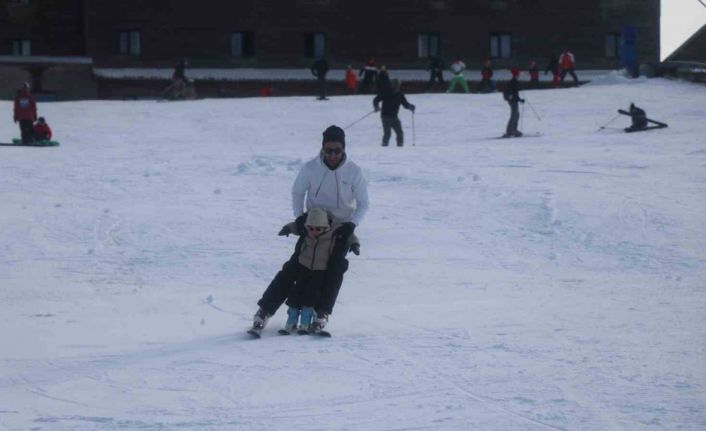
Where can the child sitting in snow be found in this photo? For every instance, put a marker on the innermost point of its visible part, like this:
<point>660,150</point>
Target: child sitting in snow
<point>41,130</point>
<point>316,250</point>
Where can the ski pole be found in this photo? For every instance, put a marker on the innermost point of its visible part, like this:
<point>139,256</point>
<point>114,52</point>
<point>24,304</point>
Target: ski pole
<point>532,108</point>
<point>522,117</point>
<point>414,134</point>
<point>606,124</point>
<point>359,120</point>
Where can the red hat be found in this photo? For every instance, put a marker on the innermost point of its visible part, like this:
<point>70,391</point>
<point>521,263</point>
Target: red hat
<point>515,71</point>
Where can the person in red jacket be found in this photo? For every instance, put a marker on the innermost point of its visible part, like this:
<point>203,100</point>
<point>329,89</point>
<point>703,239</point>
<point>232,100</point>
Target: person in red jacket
<point>486,85</point>
<point>566,61</point>
<point>42,132</point>
<point>351,80</point>
<point>25,112</point>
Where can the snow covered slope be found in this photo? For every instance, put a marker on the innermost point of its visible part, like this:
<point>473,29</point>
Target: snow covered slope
<point>550,283</point>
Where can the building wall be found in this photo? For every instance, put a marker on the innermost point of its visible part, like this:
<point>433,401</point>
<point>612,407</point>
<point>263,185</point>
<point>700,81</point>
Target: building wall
<point>386,29</point>
<point>694,50</point>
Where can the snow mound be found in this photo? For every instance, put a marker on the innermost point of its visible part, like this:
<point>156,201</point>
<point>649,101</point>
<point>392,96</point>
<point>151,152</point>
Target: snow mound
<point>616,77</point>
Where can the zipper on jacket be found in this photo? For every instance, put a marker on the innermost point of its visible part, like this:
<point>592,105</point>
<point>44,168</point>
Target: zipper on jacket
<point>338,193</point>
<point>321,183</point>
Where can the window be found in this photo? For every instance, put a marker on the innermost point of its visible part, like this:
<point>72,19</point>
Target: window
<point>428,45</point>
<point>500,45</point>
<point>130,43</point>
<point>242,44</point>
<point>612,45</point>
<point>22,47</point>
<point>315,45</point>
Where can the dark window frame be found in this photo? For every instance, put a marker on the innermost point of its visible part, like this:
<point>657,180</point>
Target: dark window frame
<point>498,35</point>
<point>310,44</point>
<point>614,44</point>
<point>425,43</point>
<point>247,44</point>
<point>17,47</point>
<point>130,48</point>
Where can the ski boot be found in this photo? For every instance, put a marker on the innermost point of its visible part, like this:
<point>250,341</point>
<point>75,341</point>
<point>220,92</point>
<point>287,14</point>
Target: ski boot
<point>307,316</point>
<point>317,327</point>
<point>259,322</point>
<point>292,321</point>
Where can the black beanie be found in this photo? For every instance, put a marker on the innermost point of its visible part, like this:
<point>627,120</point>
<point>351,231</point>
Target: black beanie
<point>334,134</point>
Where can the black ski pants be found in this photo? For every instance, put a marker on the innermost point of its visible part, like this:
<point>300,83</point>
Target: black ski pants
<point>281,285</point>
<point>570,72</point>
<point>307,287</point>
<point>322,87</point>
<point>514,118</point>
<point>389,124</point>
<point>27,131</point>
<point>435,75</point>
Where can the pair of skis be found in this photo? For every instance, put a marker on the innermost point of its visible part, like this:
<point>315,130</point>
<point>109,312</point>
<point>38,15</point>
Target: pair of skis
<point>656,124</point>
<point>257,332</point>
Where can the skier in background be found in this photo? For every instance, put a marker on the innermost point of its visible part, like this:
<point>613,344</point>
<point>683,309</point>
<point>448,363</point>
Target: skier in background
<point>391,101</point>
<point>486,85</point>
<point>351,80</point>
<point>534,75</point>
<point>457,67</point>
<point>383,80</point>
<point>41,130</point>
<point>369,73</point>
<point>25,112</point>
<point>512,97</point>
<point>335,183</point>
<point>436,70</point>
<point>319,69</point>
<point>567,62</point>
<point>553,67</point>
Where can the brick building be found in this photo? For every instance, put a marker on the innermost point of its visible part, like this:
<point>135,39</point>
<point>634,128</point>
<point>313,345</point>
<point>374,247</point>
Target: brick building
<point>290,33</point>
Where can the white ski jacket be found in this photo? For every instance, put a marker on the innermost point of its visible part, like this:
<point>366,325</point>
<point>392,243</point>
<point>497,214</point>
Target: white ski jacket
<point>343,191</point>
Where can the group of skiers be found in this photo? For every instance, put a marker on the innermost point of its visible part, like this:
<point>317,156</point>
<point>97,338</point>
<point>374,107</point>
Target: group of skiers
<point>32,128</point>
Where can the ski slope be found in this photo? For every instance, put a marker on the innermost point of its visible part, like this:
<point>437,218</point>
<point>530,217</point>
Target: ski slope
<point>550,283</point>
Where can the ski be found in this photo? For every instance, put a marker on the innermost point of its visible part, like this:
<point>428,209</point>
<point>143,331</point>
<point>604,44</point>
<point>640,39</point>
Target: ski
<point>632,130</point>
<point>284,332</point>
<point>526,135</point>
<point>18,143</point>
<point>321,333</point>
<point>255,333</point>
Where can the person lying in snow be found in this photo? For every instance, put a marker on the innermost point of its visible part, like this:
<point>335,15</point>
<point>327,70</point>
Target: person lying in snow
<point>309,279</point>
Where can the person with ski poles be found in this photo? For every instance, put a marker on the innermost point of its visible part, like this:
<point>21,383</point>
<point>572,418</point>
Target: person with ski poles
<point>335,183</point>
<point>512,97</point>
<point>391,101</point>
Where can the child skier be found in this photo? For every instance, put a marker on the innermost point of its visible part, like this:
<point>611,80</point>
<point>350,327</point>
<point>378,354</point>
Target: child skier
<point>391,101</point>
<point>42,131</point>
<point>314,254</point>
<point>457,68</point>
<point>512,96</point>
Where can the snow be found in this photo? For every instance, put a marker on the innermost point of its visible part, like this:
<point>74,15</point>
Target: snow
<point>45,59</point>
<point>550,283</point>
<point>249,74</point>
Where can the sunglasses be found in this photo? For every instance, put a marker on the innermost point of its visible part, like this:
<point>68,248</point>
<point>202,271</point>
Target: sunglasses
<point>317,228</point>
<point>335,151</point>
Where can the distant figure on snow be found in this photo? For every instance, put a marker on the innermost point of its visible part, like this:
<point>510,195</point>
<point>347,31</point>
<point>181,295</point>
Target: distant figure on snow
<point>319,69</point>
<point>567,62</point>
<point>436,70</point>
<point>351,80</point>
<point>457,67</point>
<point>25,112</point>
<point>486,85</point>
<point>369,73</point>
<point>391,101</point>
<point>534,75</point>
<point>553,67</point>
<point>512,97</point>
<point>42,131</point>
<point>383,80</point>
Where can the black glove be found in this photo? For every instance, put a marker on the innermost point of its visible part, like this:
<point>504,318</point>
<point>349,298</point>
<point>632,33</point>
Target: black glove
<point>355,248</point>
<point>345,230</point>
<point>301,224</point>
<point>285,231</point>
<point>377,109</point>
<point>412,108</point>
<point>522,100</point>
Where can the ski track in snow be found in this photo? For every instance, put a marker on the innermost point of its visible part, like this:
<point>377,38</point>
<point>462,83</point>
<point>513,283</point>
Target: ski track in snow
<point>553,283</point>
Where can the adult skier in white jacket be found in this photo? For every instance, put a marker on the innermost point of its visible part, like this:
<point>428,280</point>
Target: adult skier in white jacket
<point>333,182</point>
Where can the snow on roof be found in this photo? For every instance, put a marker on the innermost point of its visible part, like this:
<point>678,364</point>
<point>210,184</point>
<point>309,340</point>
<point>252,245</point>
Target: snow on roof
<point>44,59</point>
<point>252,74</point>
